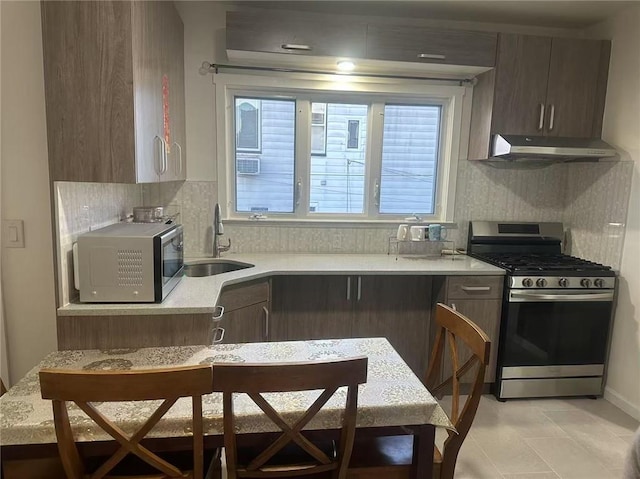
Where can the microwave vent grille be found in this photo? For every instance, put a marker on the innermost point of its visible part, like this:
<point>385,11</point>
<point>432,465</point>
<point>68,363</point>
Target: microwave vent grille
<point>130,267</point>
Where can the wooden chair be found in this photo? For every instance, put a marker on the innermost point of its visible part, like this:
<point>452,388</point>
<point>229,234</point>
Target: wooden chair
<point>85,387</point>
<point>391,457</point>
<point>307,458</point>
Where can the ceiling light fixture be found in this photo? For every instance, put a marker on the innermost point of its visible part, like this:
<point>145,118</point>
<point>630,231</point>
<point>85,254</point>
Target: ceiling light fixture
<point>346,65</point>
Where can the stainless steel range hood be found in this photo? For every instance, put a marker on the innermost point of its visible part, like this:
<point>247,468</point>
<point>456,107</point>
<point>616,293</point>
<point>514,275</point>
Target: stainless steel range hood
<point>518,148</point>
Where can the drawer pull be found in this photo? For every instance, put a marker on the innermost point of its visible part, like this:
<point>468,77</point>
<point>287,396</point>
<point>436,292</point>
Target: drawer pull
<point>431,56</point>
<point>296,47</point>
<point>266,322</point>
<point>475,289</point>
<point>218,313</point>
<point>216,339</point>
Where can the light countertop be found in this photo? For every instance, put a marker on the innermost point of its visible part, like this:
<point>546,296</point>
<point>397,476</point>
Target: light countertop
<point>200,295</point>
<point>392,396</point>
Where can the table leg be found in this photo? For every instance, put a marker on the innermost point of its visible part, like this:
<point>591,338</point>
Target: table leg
<point>423,442</point>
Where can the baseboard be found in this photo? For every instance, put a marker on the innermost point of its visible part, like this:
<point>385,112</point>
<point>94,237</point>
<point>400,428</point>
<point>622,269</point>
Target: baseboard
<point>617,400</point>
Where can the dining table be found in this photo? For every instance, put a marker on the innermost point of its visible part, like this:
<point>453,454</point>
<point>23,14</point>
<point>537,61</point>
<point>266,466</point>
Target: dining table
<point>392,402</point>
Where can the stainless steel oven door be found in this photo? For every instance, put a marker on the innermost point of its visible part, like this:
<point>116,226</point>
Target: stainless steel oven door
<point>565,331</point>
<point>171,261</point>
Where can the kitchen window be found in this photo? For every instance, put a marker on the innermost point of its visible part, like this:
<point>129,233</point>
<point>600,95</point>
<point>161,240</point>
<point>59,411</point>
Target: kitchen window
<point>308,152</point>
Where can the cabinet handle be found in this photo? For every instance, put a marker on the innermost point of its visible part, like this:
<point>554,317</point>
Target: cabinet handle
<point>552,117</point>
<point>216,339</point>
<point>475,288</point>
<point>432,56</point>
<point>541,119</point>
<point>161,157</point>
<point>165,157</point>
<point>359,287</point>
<point>348,288</point>
<point>296,47</point>
<point>266,322</point>
<point>218,313</point>
<point>179,166</point>
<point>453,306</point>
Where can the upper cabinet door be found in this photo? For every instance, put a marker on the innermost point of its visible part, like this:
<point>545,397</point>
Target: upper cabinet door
<point>292,33</point>
<point>148,41</point>
<point>415,44</point>
<point>574,87</point>
<point>522,72</point>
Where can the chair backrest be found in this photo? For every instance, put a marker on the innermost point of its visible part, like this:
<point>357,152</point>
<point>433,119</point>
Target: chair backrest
<point>85,387</point>
<point>255,379</point>
<point>453,326</point>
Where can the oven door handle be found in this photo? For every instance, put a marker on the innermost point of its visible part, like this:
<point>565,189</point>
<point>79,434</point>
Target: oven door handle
<point>517,296</point>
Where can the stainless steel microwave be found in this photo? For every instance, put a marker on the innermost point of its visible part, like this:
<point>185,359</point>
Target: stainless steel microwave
<point>129,263</point>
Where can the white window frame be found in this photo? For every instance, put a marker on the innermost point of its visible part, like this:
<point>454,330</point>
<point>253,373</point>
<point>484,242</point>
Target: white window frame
<point>455,124</point>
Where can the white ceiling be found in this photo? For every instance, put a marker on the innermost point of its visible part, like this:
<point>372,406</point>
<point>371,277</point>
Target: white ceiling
<point>543,13</point>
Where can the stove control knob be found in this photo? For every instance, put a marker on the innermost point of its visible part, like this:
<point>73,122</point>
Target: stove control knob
<point>527,282</point>
<point>563,282</point>
<point>585,283</point>
<point>541,283</point>
<point>598,283</point>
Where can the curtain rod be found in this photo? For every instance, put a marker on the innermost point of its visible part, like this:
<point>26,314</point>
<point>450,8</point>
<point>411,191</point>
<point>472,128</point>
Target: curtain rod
<point>215,67</point>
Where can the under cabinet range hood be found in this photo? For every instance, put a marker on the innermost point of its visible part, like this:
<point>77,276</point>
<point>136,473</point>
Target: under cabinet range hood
<point>548,148</point>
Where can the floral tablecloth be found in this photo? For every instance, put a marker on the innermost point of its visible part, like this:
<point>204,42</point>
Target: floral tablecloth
<point>392,396</point>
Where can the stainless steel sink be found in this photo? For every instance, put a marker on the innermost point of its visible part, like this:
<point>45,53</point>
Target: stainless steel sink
<point>213,267</point>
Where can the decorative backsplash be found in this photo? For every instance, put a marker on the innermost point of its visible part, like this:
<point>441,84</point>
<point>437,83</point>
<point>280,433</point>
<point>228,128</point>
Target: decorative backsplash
<point>82,207</point>
<point>591,199</point>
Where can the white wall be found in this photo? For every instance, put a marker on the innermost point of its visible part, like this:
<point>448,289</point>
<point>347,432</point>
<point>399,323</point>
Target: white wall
<point>622,128</point>
<point>27,273</point>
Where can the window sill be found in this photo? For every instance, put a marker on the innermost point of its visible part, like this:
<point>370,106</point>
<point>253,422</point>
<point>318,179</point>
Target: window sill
<point>334,223</point>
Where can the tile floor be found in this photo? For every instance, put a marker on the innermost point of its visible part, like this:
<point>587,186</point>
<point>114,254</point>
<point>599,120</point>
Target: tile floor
<point>546,439</point>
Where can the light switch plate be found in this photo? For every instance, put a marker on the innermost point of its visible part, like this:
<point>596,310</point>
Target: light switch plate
<point>13,233</point>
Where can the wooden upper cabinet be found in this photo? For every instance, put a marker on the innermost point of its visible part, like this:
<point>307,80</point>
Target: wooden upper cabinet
<point>522,70</point>
<point>549,86</point>
<point>426,45</point>
<point>104,64</point>
<point>296,33</point>
<point>573,93</point>
<point>541,86</point>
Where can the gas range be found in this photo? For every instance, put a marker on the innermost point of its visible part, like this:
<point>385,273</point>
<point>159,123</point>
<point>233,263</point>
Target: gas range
<point>532,255</point>
<point>556,311</point>
<point>540,271</point>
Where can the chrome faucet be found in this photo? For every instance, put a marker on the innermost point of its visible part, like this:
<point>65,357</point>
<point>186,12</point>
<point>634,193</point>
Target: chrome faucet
<point>218,230</point>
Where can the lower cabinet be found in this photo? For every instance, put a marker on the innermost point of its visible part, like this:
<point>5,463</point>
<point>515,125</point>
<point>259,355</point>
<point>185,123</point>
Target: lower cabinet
<point>247,325</point>
<point>311,307</point>
<point>329,307</point>
<point>397,308</point>
<point>133,331</point>
<point>479,298</point>
<point>246,312</point>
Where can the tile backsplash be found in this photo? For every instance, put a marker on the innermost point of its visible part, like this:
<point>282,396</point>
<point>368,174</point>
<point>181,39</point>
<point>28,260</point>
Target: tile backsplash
<point>591,199</point>
<point>82,207</point>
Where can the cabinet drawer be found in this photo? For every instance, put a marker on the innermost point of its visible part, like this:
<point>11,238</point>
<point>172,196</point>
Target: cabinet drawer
<point>474,287</point>
<point>424,45</point>
<point>295,33</point>
<point>245,294</point>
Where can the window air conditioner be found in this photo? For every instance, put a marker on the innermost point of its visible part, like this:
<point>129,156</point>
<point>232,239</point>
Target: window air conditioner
<point>248,166</point>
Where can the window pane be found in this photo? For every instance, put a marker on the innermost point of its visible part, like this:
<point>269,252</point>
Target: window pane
<point>318,128</point>
<point>337,179</point>
<point>264,156</point>
<point>409,159</point>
